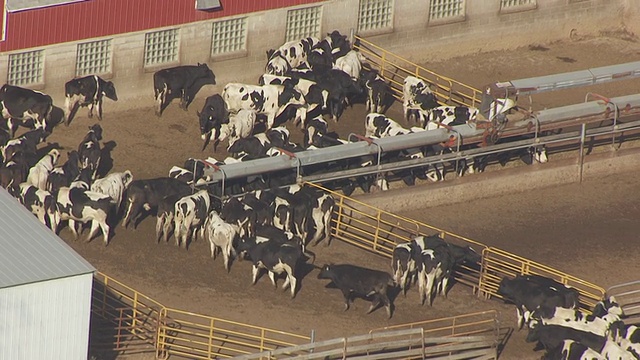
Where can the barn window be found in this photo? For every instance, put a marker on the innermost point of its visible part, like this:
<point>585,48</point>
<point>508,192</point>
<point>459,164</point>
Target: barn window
<point>161,47</point>
<point>26,68</point>
<point>93,58</point>
<point>229,36</point>
<point>508,4</point>
<point>375,14</point>
<point>444,9</point>
<point>302,23</point>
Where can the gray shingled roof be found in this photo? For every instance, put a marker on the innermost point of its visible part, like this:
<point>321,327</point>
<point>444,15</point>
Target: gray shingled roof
<point>31,252</point>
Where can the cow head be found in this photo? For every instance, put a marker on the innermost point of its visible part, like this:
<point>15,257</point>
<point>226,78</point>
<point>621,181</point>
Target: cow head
<point>206,74</point>
<point>326,272</point>
<point>109,91</point>
<point>277,66</point>
<point>270,53</point>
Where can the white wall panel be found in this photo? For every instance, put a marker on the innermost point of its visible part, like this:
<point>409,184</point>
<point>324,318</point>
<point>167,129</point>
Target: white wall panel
<point>46,320</point>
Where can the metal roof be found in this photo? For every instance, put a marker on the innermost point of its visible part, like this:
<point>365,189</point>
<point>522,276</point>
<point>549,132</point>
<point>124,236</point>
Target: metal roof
<point>19,5</point>
<point>31,252</point>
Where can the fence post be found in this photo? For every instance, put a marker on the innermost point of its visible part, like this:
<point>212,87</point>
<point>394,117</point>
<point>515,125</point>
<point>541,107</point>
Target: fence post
<point>312,339</point>
<point>583,133</point>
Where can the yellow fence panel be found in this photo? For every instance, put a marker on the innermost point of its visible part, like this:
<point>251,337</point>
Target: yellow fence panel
<point>204,337</point>
<point>496,264</point>
<point>395,69</point>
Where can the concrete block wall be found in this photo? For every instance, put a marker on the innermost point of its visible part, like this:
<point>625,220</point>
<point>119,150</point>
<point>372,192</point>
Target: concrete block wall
<point>484,27</point>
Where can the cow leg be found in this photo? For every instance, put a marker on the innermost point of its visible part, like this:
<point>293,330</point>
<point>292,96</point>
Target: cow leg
<point>293,283</point>
<point>133,208</point>
<point>272,276</point>
<point>374,303</point>
<point>422,285</point>
<point>105,231</point>
<point>445,285</point>
<point>72,227</point>
<point>429,289</point>
<point>347,298</point>
<point>254,273</point>
<point>159,227</point>
<point>519,316</point>
<point>99,108</point>
<point>91,110</point>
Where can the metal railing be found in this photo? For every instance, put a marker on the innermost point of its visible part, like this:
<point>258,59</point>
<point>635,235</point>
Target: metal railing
<point>628,296</point>
<point>483,322</point>
<point>378,231</point>
<point>394,69</point>
<point>129,322</point>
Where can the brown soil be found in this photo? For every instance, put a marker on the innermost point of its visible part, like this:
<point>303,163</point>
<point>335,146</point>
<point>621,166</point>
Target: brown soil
<point>586,230</point>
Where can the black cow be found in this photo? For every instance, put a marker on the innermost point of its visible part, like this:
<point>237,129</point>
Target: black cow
<point>146,194</point>
<point>89,150</point>
<point>182,82</point>
<point>214,113</point>
<point>324,55</point>
<point>20,104</point>
<point>276,258</point>
<point>354,280</point>
<point>87,91</point>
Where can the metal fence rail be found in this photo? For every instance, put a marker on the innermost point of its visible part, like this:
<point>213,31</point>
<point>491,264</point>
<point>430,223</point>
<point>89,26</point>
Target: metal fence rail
<point>394,69</point>
<point>497,264</point>
<point>395,344</point>
<point>200,337</point>
<point>628,296</point>
<point>484,322</point>
<point>378,231</point>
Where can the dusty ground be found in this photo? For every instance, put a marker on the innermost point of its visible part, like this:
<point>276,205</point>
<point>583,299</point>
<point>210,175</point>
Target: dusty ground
<point>588,230</point>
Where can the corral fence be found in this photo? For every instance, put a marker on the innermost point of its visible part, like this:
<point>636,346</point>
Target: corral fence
<point>379,231</point>
<point>628,296</point>
<point>124,321</point>
<point>395,69</point>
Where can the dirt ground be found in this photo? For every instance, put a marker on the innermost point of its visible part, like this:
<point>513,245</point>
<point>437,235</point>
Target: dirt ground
<point>586,230</point>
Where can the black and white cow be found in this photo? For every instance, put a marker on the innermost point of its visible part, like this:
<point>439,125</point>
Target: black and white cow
<point>165,215</point>
<point>89,150</point>
<point>221,236</point>
<point>553,336</point>
<point>403,264</point>
<point>572,350</point>
<point>26,143</point>
<point>276,257</point>
<point>16,170</point>
<point>240,126</point>
<point>114,185</point>
<point>446,115</point>
<point>356,281</point>
<point>416,95</point>
<point>41,203</point>
<point>20,104</point>
<point>87,91</point>
<point>351,63</point>
<point>145,195</point>
<point>241,215</point>
<point>39,173</point>
<point>289,56</point>
<point>189,216</point>
<point>63,175</point>
<point>181,82</point>
<point>379,93</point>
<point>270,100</point>
<point>529,296</point>
<point>76,204</point>
<point>324,55</point>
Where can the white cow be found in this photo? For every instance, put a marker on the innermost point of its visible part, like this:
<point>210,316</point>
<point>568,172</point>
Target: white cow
<point>351,63</point>
<point>76,204</point>
<point>113,185</point>
<point>240,126</point>
<point>39,173</point>
<point>221,235</point>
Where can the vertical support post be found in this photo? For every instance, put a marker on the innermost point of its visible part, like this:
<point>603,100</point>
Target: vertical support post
<point>352,35</point>
<point>135,313</point>
<point>583,133</point>
<point>312,339</point>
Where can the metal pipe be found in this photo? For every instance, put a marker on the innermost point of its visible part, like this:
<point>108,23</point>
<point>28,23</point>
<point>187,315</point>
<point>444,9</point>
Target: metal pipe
<point>583,133</point>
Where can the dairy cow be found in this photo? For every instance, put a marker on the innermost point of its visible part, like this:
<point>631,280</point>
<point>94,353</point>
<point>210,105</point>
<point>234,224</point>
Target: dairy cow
<point>181,82</point>
<point>145,195</point>
<point>40,202</point>
<point>39,173</point>
<point>89,150</point>
<point>63,175</point>
<point>403,264</point>
<point>190,214</point>
<point>221,236</point>
<point>114,185</point>
<point>270,100</point>
<point>289,56</point>
<point>358,281</point>
<point>20,104</point>
<point>76,204</point>
<point>87,91</point>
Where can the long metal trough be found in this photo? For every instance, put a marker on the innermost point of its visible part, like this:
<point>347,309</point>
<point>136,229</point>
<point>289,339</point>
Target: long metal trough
<point>555,118</point>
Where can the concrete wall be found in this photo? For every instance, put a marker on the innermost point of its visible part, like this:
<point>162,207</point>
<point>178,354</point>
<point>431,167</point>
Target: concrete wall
<point>484,27</point>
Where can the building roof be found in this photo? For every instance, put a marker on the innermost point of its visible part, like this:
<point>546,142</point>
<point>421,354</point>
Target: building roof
<point>31,252</point>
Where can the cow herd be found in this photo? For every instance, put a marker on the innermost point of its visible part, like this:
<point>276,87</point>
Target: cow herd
<point>551,312</point>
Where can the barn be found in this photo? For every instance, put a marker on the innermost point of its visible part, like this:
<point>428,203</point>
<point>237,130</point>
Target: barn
<point>45,290</point>
<point>47,42</point>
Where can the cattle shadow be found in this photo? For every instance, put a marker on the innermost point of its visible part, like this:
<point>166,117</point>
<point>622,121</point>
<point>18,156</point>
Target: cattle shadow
<point>55,118</point>
<point>392,294</point>
<point>106,160</point>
